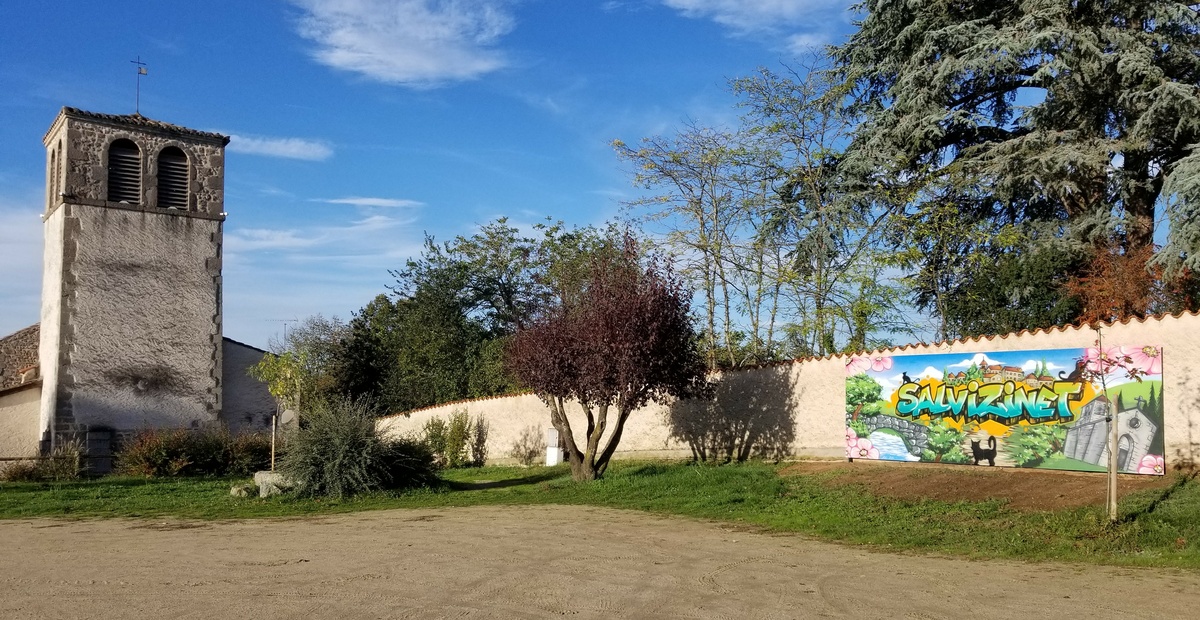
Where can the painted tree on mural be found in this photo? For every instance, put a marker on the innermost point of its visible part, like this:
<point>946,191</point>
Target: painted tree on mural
<point>862,396</point>
<point>945,444</point>
<point>1042,124</point>
<point>623,339</point>
<point>1030,446</point>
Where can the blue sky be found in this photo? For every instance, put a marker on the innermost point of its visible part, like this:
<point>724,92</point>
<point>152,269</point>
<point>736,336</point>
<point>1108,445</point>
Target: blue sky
<point>360,125</point>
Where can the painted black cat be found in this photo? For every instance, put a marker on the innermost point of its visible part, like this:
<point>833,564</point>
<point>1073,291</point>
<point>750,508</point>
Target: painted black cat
<point>980,453</point>
<point>1076,375</point>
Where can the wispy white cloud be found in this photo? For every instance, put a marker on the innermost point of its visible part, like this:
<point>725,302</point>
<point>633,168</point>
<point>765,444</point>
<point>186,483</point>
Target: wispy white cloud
<point>290,148</point>
<point>257,239</point>
<point>330,268</point>
<point>808,42</point>
<point>353,237</point>
<point>360,201</point>
<point>416,43</point>
<point>375,223</point>
<point>611,6</point>
<point>746,16</point>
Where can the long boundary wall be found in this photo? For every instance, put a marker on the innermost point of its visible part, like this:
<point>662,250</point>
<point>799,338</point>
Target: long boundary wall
<point>798,408</point>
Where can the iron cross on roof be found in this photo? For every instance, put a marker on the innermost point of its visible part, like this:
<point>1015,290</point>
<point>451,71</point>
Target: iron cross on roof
<point>137,97</point>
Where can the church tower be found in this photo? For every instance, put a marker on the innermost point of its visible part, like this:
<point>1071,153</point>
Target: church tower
<point>131,289</point>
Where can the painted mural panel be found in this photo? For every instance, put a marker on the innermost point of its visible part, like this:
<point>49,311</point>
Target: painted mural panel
<point>1042,408</point>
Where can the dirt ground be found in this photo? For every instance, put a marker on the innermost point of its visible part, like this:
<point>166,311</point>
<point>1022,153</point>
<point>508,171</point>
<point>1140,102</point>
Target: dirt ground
<point>1025,489</point>
<point>529,562</point>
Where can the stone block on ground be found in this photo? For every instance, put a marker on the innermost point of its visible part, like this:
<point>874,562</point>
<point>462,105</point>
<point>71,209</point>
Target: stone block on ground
<point>272,483</point>
<point>243,490</point>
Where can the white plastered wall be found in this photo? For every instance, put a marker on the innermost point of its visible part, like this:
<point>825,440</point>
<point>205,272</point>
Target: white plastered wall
<point>810,396</point>
<point>51,320</point>
<point>19,428</point>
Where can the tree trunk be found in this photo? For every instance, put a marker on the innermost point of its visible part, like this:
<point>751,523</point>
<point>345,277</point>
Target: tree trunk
<point>558,419</point>
<point>1139,200</point>
<point>623,411</point>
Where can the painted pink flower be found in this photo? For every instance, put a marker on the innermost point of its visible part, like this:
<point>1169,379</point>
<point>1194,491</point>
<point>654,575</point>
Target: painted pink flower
<point>880,363</point>
<point>862,449</point>
<point>858,364</point>
<point>1103,361</point>
<point>851,438</point>
<point>1152,464</point>
<point>1148,359</point>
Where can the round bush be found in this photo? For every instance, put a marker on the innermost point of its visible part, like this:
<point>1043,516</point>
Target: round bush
<point>338,453</point>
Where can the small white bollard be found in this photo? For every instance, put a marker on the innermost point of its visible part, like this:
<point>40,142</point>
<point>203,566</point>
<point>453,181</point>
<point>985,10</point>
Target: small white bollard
<point>553,453</point>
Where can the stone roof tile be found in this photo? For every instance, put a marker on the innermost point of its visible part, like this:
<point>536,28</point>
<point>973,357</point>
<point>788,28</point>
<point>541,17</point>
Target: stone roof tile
<point>18,352</point>
<point>141,122</point>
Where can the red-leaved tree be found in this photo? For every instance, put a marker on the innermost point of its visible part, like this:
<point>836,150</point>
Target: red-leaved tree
<point>623,339</point>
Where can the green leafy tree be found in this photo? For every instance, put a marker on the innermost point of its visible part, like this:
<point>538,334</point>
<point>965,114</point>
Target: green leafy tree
<point>303,367</point>
<point>862,396</point>
<point>443,334</point>
<point>499,275</point>
<point>419,351</point>
<point>282,374</point>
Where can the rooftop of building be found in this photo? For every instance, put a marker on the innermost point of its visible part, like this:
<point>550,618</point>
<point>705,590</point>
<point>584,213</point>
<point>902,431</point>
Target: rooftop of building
<point>19,355</point>
<point>139,122</point>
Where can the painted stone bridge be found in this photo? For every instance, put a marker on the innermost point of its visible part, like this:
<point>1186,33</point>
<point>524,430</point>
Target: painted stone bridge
<point>916,436</point>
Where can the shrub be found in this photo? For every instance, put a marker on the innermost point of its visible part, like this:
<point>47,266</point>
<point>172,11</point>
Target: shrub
<point>435,435</point>
<point>64,463</point>
<point>458,439</point>
<point>249,453</point>
<point>210,452</point>
<point>530,447</point>
<point>408,463</point>
<point>22,471</point>
<point>339,453</point>
<point>154,453</point>
<point>479,436</point>
<point>461,442</point>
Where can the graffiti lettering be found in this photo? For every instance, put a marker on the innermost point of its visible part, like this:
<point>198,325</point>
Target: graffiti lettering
<point>1007,403</point>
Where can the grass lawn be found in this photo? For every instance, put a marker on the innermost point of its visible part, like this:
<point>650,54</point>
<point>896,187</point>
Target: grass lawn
<point>1158,528</point>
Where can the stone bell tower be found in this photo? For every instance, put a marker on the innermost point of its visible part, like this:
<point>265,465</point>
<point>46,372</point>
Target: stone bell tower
<point>131,290</point>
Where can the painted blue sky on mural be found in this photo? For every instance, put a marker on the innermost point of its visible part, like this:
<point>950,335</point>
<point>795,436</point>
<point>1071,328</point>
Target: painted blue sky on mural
<point>933,365</point>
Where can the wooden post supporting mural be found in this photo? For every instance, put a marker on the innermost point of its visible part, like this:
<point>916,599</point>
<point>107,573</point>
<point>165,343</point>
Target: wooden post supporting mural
<point>1112,461</point>
<point>1112,428</point>
<point>274,428</point>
